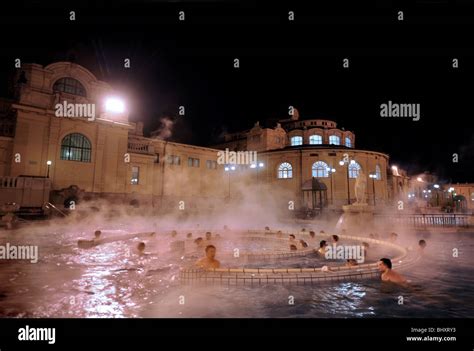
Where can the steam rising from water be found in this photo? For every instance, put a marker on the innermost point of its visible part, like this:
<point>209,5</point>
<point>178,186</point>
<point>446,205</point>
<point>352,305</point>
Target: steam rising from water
<point>112,280</point>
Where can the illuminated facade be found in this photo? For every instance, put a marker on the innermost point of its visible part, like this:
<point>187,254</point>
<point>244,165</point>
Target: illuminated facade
<point>105,155</point>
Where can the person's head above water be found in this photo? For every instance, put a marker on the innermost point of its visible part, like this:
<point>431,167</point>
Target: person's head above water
<point>322,244</point>
<point>141,246</point>
<point>97,233</point>
<point>189,235</point>
<point>211,251</point>
<point>293,248</point>
<point>335,238</point>
<point>174,233</point>
<point>208,235</point>
<point>422,244</point>
<point>292,237</point>
<point>198,240</point>
<point>384,264</point>
<point>312,234</point>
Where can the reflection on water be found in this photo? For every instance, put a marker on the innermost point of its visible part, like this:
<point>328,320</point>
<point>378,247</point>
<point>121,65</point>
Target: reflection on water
<point>112,280</point>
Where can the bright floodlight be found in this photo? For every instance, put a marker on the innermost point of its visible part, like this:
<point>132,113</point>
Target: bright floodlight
<point>226,169</point>
<point>253,165</point>
<point>436,186</point>
<point>49,163</point>
<point>232,168</point>
<point>261,164</point>
<point>341,163</point>
<point>114,105</point>
<point>333,170</point>
<point>419,179</point>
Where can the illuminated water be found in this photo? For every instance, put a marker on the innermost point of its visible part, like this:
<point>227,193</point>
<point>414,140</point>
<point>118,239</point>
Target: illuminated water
<point>112,281</point>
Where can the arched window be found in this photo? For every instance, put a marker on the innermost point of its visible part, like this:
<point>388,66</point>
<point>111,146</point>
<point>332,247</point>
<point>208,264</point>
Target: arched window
<point>285,170</point>
<point>335,140</point>
<point>378,174</point>
<point>70,86</point>
<point>296,140</point>
<point>320,169</point>
<point>354,169</point>
<point>76,147</point>
<point>316,139</point>
<point>348,142</point>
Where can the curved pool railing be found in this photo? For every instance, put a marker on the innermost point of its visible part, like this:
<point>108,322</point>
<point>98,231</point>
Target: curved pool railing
<point>299,276</point>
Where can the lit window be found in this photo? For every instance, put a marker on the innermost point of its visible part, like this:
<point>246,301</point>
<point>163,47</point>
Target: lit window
<point>316,139</point>
<point>296,140</point>
<point>285,170</point>
<point>174,160</point>
<point>320,169</point>
<point>335,140</point>
<point>378,173</point>
<point>354,169</point>
<point>76,147</point>
<point>193,162</point>
<point>348,142</point>
<point>135,175</point>
<point>211,164</point>
<point>70,86</point>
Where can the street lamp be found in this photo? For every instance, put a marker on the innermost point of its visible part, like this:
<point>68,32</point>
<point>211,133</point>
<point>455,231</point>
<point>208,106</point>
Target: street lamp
<point>257,166</point>
<point>342,163</point>
<point>229,169</point>
<point>114,105</point>
<point>48,163</point>
<point>331,171</point>
<point>373,176</point>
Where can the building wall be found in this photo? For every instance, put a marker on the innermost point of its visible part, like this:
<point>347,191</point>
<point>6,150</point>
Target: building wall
<point>302,161</point>
<point>119,145</point>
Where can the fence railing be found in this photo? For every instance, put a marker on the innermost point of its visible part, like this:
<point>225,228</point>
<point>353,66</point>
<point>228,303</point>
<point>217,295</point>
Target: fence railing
<point>141,148</point>
<point>428,220</point>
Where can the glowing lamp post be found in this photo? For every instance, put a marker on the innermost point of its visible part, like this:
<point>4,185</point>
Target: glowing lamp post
<point>373,176</point>
<point>257,166</point>
<point>48,163</point>
<point>229,169</point>
<point>331,171</point>
<point>342,163</point>
<point>114,109</point>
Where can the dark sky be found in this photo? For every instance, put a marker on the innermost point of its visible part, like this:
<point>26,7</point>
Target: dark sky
<point>282,64</point>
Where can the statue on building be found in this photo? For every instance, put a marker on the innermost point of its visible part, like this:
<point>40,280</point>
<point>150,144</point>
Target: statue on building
<point>360,188</point>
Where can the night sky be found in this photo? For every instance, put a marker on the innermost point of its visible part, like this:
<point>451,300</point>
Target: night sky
<point>299,63</point>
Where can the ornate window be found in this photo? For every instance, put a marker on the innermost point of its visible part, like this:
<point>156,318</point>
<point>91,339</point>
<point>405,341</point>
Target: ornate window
<point>285,170</point>
<point>70,86</point>
<point>348,142</point>
<point>76,147</point>
<point>378,173</point>
<point>354,169</point>
<point>335,140</point>
<point>320,169</point>
<point>316,139</point>
<point>296,140</point>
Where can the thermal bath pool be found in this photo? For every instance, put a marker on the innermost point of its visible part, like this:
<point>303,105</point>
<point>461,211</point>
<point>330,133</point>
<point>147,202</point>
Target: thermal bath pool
<point>111,280</point>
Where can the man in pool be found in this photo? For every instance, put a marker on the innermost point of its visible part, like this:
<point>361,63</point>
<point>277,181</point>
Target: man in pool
<point>209,262</point>
<point>389,275</point>
<point>322,247</point>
